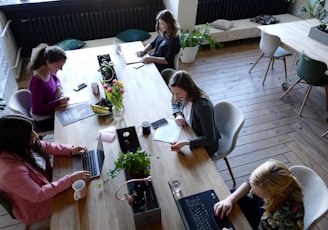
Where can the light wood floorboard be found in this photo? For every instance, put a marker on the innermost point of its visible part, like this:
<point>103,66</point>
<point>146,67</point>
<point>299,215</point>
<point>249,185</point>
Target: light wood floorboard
<point>272,127</point>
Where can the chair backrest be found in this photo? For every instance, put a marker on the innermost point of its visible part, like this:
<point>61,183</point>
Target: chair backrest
<point>229,120</point>
<point>315,194</point>
<point>176,61</point>
<point>269,43</point>
<point>7,205</point>
<point>309,69</point>
<point>166,74</point>
<point>20,102</point>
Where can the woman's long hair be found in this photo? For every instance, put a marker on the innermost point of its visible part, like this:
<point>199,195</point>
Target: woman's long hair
<point>183,80</point>
<point>167,17</point>
<point>274,179</point>
<point>15,132</point>
<point>46,53</point>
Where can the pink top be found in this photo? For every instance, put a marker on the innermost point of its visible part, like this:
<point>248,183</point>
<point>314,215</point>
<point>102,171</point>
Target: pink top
<point>28,190</point>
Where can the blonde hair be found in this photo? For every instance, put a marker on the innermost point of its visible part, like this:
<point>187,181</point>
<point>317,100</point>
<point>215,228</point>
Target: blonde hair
<point>274,178</point>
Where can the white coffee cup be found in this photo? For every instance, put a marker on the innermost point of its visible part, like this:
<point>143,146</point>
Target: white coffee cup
<point>80,189</point>
<point>95,88</point>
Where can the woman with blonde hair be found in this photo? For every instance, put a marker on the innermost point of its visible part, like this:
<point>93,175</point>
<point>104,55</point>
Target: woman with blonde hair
<point>280,193</point>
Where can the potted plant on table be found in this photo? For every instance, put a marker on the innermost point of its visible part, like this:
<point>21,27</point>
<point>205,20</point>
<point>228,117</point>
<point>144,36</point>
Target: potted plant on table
<point>191,42</point>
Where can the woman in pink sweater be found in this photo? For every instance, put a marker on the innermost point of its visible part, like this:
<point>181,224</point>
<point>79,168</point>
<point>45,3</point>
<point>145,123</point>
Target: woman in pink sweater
<point>26,172</point>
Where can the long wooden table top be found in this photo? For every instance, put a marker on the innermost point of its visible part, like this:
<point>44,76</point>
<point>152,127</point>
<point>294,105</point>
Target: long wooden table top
<point>295,36</point>
<point>146,98</point>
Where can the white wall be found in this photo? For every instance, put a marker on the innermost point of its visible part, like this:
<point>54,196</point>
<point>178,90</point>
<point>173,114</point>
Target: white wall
<point>184,10</point>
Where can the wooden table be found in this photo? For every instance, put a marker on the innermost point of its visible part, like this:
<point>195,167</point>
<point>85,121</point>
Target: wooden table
<point>295,36</point>
<point>146,98</point>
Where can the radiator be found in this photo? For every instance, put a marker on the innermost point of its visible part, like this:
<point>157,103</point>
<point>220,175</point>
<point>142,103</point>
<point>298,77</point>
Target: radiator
<point>210,10</point>
<point>88,25</point>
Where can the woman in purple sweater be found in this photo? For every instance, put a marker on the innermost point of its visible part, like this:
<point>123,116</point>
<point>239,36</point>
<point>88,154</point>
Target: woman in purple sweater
<point>25,169</point>
<point>45,86</point>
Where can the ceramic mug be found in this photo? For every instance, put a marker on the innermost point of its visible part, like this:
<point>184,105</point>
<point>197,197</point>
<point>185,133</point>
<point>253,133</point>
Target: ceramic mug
<point>146,127</point>
<point>95,88</point>
<point>80,189</point>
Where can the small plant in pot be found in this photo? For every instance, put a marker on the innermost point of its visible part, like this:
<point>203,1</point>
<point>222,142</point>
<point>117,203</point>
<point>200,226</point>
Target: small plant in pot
<point>191,42</point>
<point>137,164</point>
<point>107,71</point>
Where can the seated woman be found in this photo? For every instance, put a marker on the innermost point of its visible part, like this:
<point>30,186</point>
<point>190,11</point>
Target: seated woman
<point>26,172</point>
<point>45,86</point>
<point>191,106</point>
<point>282,198</point>
<point>167,43</point>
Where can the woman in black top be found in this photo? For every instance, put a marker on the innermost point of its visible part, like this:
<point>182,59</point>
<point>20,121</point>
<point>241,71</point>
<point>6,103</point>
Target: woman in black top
<point>167,43</point>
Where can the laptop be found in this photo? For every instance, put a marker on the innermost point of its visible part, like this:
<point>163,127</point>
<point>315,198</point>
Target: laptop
<point>129,52</point>
<point>91,161</point>
<point>197,211</point>
<point>128,139</point>
<point>117,48</point>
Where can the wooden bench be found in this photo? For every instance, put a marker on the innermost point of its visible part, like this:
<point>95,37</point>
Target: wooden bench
<point>245,28</point>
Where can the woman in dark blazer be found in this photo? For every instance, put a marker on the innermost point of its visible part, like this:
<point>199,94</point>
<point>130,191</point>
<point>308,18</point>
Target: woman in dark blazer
<point>191,106</point>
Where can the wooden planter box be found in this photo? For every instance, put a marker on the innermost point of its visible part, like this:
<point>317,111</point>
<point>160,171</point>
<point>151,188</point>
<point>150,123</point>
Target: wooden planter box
<point>319,35</point>
<point>146,210</point>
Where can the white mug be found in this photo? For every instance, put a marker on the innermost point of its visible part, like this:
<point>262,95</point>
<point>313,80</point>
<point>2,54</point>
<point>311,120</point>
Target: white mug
<point>80,189</point>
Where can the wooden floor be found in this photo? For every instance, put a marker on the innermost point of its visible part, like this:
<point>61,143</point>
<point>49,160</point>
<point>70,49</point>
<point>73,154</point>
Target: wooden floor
<point>272,128</point>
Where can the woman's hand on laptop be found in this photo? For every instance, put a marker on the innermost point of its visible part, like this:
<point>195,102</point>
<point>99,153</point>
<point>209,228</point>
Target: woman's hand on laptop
<point>78,150</point>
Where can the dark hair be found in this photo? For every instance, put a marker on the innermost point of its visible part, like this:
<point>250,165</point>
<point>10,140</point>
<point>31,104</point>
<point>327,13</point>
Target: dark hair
<point>15,132</point>
<point>183,80</point>
<point>167,17</point>
<point>46,53</point>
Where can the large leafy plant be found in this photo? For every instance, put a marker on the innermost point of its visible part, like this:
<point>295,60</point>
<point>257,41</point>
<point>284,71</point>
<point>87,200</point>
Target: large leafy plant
<point>199,36</point>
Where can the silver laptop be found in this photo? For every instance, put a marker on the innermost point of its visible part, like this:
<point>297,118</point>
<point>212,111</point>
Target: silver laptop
<point>129,52</point>
<point>91,161</point>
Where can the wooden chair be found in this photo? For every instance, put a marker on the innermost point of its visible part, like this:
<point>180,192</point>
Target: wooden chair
<point>270,48</point>
<point>312,72</point>
<point>229,120</point>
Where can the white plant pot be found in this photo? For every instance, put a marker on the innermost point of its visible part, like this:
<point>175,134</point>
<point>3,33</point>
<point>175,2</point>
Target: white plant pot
<point>188,54</point>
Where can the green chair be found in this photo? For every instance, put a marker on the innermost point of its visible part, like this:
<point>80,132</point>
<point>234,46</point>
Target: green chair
<point>9,208</point>
<point>166,74</point>
<point>311,72</point>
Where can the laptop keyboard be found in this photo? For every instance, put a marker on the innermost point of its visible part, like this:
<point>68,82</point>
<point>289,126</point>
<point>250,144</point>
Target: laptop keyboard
<point>89,160</point>
<point>201,217</point>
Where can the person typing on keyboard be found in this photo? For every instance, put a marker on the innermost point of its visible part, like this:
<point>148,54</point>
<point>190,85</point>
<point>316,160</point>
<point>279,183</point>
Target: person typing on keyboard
<point>272,187</point>
<point>26,172</point>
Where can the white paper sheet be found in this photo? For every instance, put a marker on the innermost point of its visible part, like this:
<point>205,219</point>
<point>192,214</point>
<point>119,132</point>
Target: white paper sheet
<point>168,133</point>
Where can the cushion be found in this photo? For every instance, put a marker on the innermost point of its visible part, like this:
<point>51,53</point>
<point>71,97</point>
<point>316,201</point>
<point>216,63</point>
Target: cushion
<point>70,44</point>
<point>132,35</point>
<point>222,24</point>
<point>265,19</point>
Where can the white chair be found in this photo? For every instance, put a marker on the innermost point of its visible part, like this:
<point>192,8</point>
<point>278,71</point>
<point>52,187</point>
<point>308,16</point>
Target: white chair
<point>176,61</point>
<point>270,48</point>
<point>20,103</point>
<point>229,120</point>
<point>315,195</point>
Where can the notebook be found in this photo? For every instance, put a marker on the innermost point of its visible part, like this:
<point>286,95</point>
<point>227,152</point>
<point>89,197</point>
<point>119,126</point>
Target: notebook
<point>128,139</point>
<point>129,52</point>
<point>91,161</point>
<point>197,211</point>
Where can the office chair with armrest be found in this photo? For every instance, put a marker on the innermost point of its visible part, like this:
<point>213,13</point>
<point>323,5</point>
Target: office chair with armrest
<point>315,194</point>
<point>229,120</point>
<point>20,103</point>
<point>312,72</point>
<point>270,48</point>
<point>166,74</point>
<point>9,208</point>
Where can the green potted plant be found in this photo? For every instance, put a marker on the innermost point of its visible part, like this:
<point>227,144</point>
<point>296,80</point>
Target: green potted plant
<point>191,42</point>
<point>136,164</point>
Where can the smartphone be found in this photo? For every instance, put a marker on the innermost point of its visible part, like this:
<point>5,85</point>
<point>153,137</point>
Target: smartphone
<point>80,86</point>
<point>159,123</point>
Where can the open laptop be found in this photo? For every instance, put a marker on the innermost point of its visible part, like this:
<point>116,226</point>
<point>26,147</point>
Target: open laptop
<point>91,161</point>
<point>197,211</point>
<point>129,52</point>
